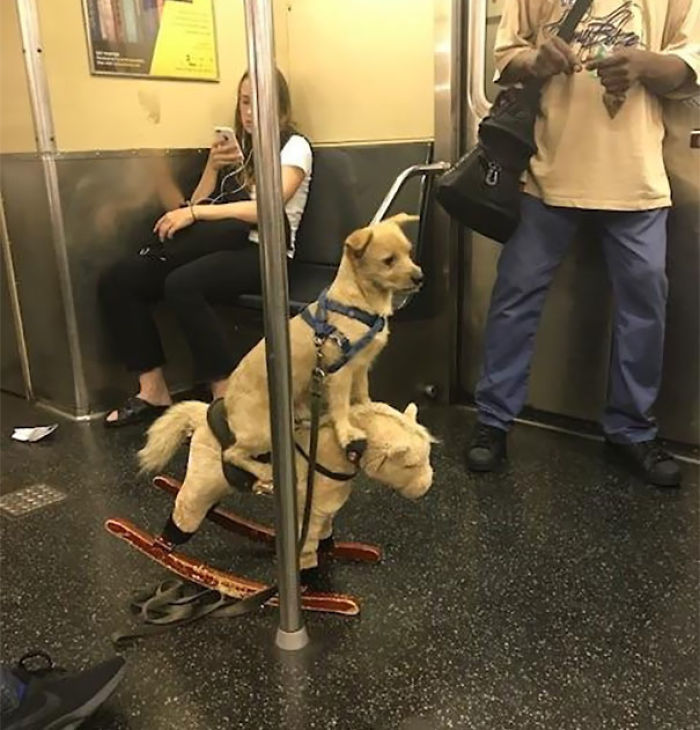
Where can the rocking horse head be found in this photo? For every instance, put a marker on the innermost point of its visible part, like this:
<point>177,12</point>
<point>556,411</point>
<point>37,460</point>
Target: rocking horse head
<point>398,450</point>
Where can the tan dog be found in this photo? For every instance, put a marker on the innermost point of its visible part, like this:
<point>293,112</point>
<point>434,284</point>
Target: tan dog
<point>397,454</point>
<point>376,263</point>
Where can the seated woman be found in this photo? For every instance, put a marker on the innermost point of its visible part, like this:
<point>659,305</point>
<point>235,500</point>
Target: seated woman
<point>201,254</point>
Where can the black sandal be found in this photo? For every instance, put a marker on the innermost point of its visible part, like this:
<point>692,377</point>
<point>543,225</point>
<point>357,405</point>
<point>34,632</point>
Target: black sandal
<point>134,410</point>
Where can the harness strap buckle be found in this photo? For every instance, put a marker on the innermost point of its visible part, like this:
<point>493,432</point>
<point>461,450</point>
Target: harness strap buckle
<point>324,331</point>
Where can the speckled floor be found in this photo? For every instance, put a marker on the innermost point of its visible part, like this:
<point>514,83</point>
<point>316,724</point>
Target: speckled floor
<point>559,594</point>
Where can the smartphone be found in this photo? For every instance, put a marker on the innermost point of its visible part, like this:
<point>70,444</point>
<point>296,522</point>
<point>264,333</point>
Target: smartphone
<point>226,134</point>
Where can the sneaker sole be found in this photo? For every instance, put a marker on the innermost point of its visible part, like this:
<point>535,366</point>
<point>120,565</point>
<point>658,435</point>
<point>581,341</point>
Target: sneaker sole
<point>76,717</point>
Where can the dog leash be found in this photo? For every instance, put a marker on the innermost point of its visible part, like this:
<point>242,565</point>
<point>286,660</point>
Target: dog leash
<point>318,377</point>
<point>174,603</point>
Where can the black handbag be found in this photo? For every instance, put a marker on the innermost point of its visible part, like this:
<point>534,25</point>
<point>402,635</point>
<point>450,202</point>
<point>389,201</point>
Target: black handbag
<point>482,189</point>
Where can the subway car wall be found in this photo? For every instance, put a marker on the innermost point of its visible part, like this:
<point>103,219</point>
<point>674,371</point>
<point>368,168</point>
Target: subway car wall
<point>127,148</point>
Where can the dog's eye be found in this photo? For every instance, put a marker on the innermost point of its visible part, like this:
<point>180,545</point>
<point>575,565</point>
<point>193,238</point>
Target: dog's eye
<point>389,260</point>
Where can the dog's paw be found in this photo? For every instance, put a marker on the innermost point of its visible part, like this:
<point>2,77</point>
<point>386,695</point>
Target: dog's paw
<point>355,450</point>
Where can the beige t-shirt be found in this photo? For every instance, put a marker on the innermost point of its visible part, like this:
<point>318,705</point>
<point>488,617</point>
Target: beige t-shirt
<point>584,158</point>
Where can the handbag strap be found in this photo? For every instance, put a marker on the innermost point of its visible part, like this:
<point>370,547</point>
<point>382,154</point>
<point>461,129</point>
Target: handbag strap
<point>572,19</point>
<point>533,88</point>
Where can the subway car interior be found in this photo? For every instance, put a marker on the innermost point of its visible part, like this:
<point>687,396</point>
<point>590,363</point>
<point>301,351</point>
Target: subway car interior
<point>519,538</point>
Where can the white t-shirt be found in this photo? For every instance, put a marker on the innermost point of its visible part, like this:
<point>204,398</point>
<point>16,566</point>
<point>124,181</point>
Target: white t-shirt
<point>296,153</point>
<point>585,158</point>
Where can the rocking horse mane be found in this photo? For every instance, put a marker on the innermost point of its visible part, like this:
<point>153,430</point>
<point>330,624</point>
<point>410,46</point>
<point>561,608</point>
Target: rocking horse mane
<point>364,411</point>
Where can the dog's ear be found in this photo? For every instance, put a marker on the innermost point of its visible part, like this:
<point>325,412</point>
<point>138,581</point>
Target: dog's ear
<point>356,243</point>
<point>401,219</point>
<point>412,412</point>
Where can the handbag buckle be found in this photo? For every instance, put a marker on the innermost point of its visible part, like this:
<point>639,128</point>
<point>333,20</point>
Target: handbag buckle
<point>493,174</point>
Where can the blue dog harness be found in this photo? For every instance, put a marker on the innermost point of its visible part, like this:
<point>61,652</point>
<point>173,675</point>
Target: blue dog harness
<point>323,330</point>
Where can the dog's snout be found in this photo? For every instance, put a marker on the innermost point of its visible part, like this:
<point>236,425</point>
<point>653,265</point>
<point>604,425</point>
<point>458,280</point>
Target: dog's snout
<point>418,277</point>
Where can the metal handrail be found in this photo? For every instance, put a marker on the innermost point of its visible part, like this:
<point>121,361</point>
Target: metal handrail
<point>427,170</point>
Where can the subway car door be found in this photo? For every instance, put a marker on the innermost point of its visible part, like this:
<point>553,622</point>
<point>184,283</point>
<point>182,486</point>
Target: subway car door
<point>678,407</point>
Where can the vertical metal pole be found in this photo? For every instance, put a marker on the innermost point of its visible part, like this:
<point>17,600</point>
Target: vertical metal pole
<point>452,257</point>
<point>15,305</point>
<point>46,141</point>
<point>273,252</point>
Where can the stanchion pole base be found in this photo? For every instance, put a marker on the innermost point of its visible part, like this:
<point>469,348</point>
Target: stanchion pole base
<point>292,640</point>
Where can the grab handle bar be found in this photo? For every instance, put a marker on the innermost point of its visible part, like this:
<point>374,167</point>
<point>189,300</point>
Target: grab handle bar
<point>427,170</point>
<point>433,168</point>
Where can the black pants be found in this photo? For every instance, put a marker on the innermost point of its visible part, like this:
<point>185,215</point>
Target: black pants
<point>211,262</point>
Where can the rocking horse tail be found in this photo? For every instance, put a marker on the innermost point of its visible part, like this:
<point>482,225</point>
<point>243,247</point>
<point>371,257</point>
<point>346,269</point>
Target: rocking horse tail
<point>167,433</point>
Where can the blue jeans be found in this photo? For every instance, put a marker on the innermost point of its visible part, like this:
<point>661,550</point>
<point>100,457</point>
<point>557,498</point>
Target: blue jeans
<point>634,245</point>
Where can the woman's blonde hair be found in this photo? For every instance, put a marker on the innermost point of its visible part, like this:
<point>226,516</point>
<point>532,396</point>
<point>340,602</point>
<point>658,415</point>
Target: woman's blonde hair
<point>287,129</point>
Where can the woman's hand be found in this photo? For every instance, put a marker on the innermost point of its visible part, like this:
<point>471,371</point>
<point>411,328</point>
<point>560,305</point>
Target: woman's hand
<point>172,222</point>
<point>222,154</point>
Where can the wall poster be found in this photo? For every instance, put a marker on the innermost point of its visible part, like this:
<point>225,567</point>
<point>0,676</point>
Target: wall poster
<point>172,39</point>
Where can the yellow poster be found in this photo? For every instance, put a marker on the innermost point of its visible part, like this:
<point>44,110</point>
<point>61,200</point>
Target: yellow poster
<point>185,46</point>
<point>172,39</point>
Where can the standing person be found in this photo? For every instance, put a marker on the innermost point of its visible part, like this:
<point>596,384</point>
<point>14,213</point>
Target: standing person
<point>599,159</point>
<point>203,253</point>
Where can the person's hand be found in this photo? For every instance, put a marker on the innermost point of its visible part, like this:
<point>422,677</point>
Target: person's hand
<point>555,56</point>
<point>621,70</point>
<point>223,154</point>
<point>173,221</point>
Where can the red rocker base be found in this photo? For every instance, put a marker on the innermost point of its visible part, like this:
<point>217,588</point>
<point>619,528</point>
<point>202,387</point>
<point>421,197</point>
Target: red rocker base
<point>352,551</point>
<point>229,584</point>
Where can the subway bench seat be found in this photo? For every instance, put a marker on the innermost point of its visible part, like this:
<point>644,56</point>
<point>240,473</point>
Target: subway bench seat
<point>348,183</point>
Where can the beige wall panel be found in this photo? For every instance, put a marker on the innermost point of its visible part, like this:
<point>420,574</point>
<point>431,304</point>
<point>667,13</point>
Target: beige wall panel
<point>107,113</point>
<point>362,70</point>
<point>279,9</point>
<point>16,125</point>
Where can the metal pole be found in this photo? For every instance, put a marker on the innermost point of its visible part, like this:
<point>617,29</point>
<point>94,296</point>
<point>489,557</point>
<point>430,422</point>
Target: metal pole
<point>453,253</point>
<point>46,142</point>
<point>291,633</point>
<point>15,305</point>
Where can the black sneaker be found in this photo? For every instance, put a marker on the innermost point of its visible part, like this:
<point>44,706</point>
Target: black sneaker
<point>49,698</point>
<point>649,461</point>
<point>487,448</point>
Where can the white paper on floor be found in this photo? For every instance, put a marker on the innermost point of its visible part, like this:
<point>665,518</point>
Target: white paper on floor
<point>36,433</point>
